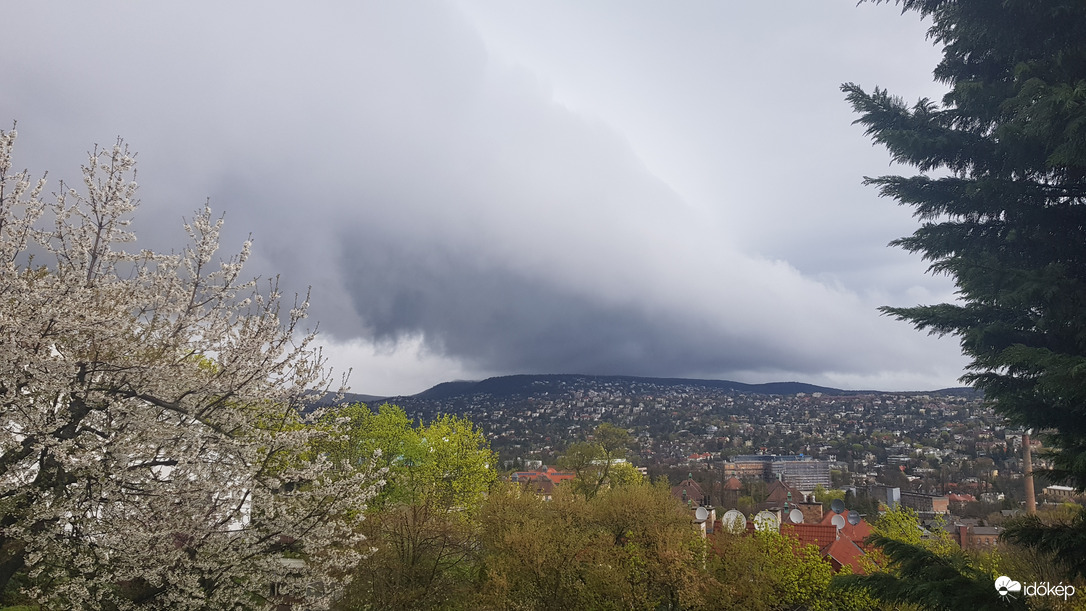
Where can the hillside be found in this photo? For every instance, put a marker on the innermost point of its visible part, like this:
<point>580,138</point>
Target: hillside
<point>528,385</point>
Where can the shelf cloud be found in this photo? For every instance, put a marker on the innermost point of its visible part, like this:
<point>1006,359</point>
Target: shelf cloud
<point>473,189</point>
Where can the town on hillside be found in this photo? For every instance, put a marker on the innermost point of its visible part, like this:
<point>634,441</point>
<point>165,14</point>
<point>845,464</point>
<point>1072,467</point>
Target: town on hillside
<point>947,455</point>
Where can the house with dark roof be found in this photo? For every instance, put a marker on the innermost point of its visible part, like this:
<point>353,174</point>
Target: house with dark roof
<point>689,493</point>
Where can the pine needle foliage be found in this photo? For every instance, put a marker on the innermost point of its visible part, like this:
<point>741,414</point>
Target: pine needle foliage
<point>1001,196</point>
<point>918,576</point>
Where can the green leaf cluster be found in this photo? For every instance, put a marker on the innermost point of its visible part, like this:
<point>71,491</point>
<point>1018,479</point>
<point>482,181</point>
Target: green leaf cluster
<point>627,547</point>
<point>446,463</point>
<point>767,570</point>
<point>423,527</point>
<point>598,461</point>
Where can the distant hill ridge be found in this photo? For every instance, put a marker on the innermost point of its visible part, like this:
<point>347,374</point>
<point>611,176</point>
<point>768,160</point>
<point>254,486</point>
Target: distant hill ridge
<point>526,384</point>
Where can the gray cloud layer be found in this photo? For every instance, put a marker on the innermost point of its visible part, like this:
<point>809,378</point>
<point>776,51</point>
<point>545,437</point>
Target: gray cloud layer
<point>526,190</point>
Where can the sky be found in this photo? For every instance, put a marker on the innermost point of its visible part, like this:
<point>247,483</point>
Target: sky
<point>471,188</point>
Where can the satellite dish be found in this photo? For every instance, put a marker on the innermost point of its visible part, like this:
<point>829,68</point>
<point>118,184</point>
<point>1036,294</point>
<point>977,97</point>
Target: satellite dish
<point>796,516</point>
<point>853,517</point>
<point>701,514</point>
<point>837,505</point>
<point>734,521</point>
<point>766,521</point>
<point>838,521</point>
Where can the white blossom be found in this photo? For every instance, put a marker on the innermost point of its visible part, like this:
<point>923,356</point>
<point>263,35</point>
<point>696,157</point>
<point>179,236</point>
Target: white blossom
<point>151,448</point>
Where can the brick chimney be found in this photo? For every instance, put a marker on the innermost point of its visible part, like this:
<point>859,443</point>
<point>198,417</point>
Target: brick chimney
<point>1027,466</point>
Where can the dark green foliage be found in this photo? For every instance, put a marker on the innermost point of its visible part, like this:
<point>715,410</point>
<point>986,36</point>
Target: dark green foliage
<point>1003,205</point>
<point>1064,540</point>
<point>928,580</point>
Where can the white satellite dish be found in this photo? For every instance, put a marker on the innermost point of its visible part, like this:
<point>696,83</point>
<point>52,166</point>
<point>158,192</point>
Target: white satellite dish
<point>701,514</point>
<point>853,517</point>
<point>796,516</point>
<point>765,520</point>
<point>838,521</point>
<point>734,521</point>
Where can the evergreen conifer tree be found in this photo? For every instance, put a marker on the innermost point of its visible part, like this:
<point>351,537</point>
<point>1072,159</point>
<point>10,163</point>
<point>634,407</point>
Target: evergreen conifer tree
<point>1001,194</point>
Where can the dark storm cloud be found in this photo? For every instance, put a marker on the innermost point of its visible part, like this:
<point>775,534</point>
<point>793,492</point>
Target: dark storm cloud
<point>506,320</point>
<point>433,190</point>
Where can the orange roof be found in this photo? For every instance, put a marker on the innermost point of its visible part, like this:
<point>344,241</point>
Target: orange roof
<point>856,533</point>
<point>551,474</point>
<point>843,552</point>
<point>819,535</point>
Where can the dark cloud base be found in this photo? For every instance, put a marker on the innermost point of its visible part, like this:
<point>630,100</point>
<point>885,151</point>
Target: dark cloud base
<point>502,320</point>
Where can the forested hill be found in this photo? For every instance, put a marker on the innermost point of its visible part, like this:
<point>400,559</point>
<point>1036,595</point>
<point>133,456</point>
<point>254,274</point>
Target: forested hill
<point>529,385</point>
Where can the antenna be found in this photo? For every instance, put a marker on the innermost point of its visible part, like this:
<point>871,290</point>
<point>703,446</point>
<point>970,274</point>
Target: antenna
<point>853,517</point>
<point>734,521</point>
<point>837,505</point>
<point>701,514</point>
<point>838,521</point>
<point>796,516</point>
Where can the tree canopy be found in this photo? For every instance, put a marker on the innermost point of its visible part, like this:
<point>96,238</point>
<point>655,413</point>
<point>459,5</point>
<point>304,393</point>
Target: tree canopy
<point>150,427</point>
<point>595,461</point>
<point>423,525</point>
<point>1001,194</point>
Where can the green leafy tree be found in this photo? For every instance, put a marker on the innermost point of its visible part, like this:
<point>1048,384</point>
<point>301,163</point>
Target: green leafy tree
<point>424,525</point>
<point>827,497</point>
<point>628,547</point>
<point>768,571</point>
<point>593,461</point>
<point>624,474</point>
<point>903,524</point>
<point>1002,197</point>
<point>538,554</point>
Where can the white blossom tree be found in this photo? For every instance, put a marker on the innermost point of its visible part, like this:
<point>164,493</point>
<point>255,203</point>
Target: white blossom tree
<point>152,451</point>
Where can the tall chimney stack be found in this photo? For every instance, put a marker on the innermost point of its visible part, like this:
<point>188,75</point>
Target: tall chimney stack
<point>1027,464</point>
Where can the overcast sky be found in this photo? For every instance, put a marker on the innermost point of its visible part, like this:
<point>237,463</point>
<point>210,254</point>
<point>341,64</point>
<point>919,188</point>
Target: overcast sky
<point>479,188</point>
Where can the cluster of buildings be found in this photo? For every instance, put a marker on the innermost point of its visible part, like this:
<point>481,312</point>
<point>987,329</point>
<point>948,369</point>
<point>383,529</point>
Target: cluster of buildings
<point>541,480</point>
<point>802,472</point>
<point>944,454</point>
<point>838,534</point>
<point>686,424</point>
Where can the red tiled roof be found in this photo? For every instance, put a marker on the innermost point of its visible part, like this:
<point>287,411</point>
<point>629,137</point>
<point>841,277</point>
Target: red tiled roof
<point>819,535</point>
<point>856,533</point>
<point>552,474</point>
<point>843,552</point>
